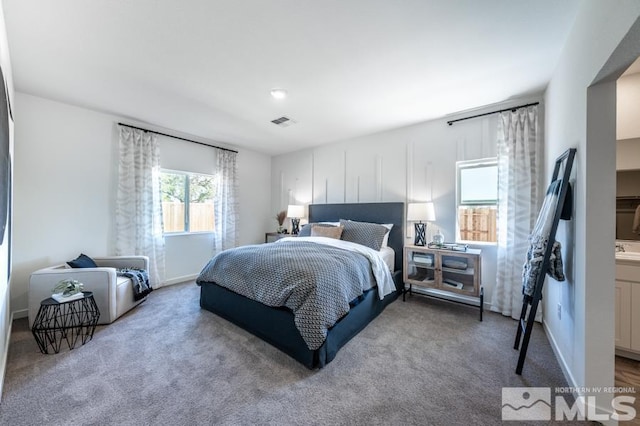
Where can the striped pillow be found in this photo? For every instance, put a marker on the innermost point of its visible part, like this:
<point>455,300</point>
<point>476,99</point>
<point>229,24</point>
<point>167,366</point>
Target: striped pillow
<point>367,234</point>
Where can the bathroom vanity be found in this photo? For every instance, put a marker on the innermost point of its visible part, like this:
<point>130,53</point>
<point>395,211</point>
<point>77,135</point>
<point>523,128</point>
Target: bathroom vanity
<point>627,299</point>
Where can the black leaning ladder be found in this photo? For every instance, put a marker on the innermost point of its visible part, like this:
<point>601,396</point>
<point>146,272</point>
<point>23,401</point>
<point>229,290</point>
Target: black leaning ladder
<point>525,324</point>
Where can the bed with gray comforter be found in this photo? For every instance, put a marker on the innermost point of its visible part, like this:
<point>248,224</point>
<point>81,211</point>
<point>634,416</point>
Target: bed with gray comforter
<point>302,296</point>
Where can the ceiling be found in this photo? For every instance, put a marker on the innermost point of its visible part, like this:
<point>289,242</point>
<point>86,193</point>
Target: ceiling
<point>351,67</point>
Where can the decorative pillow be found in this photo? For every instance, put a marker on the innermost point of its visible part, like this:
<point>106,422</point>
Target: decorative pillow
<point>319,230</point>
<point>305,230</point>
<point>367,234</point>
<point>82,261</point>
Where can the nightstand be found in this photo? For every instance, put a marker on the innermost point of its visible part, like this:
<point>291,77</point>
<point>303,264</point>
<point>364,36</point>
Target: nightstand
<point>444,274</point>
<point>271,237</point>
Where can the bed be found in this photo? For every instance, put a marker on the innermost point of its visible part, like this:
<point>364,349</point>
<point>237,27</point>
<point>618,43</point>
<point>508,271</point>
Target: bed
<point>277,325</point>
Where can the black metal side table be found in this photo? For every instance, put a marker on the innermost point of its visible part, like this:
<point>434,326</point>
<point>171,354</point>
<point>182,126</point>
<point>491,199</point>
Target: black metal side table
<point>70,321</point>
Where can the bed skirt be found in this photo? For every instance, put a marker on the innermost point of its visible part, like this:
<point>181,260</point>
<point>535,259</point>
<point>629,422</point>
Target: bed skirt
<point>276,325</point>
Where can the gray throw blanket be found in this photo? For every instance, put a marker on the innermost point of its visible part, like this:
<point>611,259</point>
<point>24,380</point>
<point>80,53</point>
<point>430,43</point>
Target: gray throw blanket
<point>533,266</point>
<point>315,281</point>
<point>140,279</point>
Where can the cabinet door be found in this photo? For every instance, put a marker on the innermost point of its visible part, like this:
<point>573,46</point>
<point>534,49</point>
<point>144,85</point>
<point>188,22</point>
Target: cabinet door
<point>459,273</point>
<point>420,267</point>
<point>634,309</point>
<point>623,314</point>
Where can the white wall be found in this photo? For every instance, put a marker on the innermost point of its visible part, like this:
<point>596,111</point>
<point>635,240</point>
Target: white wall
<point>583,337</point>
<point>5,247</point>
<point>65,186</point>
<point>413,163</point>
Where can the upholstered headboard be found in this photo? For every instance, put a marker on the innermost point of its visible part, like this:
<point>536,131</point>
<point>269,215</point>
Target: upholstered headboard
<point>366,212</point>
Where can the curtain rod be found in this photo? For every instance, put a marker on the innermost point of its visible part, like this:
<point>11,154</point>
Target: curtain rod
<point>177,137</point>
<point>493,112</point>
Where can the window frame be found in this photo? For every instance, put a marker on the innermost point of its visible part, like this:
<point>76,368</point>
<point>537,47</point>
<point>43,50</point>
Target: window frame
<point>490,203</point>
<point>187,205</point>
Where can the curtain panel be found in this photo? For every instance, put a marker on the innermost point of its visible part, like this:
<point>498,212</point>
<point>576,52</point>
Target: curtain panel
<point>226,201</point>
<point>138,203</point>
<point>519,196</point>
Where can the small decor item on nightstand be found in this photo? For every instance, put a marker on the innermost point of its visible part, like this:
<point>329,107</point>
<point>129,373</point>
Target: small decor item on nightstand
<point>438,239</point>
<point>67,290</point>
<point>280,217</point>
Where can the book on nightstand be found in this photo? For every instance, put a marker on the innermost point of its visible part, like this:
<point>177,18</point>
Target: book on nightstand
<point>58,297</point>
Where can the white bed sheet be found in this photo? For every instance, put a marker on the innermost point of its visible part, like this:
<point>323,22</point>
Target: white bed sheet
<point>380,269</point>
<point>389,256</point>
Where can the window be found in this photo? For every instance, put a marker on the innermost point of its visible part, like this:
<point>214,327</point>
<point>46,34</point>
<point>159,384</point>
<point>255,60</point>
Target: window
<point>196,215</point>
<point>477,199</point>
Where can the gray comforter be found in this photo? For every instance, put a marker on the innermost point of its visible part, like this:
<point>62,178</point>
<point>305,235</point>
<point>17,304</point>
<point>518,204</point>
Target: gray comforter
<point>315,281</point>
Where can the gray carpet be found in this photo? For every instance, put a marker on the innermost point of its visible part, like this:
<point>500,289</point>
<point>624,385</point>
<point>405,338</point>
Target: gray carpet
<point>168,362</point>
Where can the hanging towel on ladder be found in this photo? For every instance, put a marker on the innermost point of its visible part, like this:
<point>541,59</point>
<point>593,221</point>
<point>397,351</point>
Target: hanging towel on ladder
<point>533,265</point>
<point>539,240</point>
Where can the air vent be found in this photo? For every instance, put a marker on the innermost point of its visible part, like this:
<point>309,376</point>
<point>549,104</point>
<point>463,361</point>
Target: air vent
<point>283,121</point>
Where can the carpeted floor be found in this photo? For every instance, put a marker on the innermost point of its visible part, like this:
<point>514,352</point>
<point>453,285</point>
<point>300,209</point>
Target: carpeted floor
<point>168,362</point>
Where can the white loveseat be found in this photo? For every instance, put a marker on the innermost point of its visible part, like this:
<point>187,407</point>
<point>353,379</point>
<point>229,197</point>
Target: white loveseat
<point>113,294</point>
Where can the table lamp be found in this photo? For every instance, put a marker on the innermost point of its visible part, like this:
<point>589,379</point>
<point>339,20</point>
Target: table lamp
<point>295,212</point>
<point>417,212</point>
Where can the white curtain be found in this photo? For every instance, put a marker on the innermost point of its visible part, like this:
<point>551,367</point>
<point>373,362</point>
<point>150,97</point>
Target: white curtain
<point>138,203</point>
<point>226,201</point>
<point>519,171</point>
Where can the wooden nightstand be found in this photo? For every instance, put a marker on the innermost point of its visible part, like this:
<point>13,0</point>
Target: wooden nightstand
<point>445,274</point>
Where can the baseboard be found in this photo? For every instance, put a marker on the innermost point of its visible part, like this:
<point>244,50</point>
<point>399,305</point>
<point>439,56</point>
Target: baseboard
<point>21,313</point>
<point>628,354</point>
<point>556,350</point>
<point>181,279</point>
<point>571,380</point>
<point>3,367</point>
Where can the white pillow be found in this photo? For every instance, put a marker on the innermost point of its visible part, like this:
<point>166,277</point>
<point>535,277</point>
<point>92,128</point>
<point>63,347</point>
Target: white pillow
<point>385,240</point>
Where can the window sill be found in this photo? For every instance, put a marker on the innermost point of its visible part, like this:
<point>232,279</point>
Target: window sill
<point>182,234</point>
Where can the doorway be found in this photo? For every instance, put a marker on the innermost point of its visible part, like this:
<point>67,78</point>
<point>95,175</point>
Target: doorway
<point>627,359</point>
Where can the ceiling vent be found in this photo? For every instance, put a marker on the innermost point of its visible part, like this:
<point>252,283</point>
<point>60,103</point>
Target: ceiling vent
<point>283,121</point>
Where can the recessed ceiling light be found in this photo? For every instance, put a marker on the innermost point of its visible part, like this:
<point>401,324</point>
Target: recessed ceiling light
<point>278,93</point>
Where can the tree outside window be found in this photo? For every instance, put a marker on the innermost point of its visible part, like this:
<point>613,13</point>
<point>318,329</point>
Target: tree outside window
<point>196,215</point>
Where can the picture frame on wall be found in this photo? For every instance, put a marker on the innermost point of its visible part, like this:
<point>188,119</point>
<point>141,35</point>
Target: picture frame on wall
<point>6,117</point>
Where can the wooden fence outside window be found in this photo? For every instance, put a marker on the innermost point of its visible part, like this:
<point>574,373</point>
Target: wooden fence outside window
<point>201,217</point>
<point>477,224</point>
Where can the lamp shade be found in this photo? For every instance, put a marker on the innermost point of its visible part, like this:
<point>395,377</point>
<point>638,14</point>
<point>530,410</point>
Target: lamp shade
<point>295,211</point>
<point>417,212</point>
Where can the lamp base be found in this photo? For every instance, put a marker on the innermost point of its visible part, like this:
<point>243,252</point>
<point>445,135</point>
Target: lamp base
<point>420,238</point>
<point>295,226</point>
